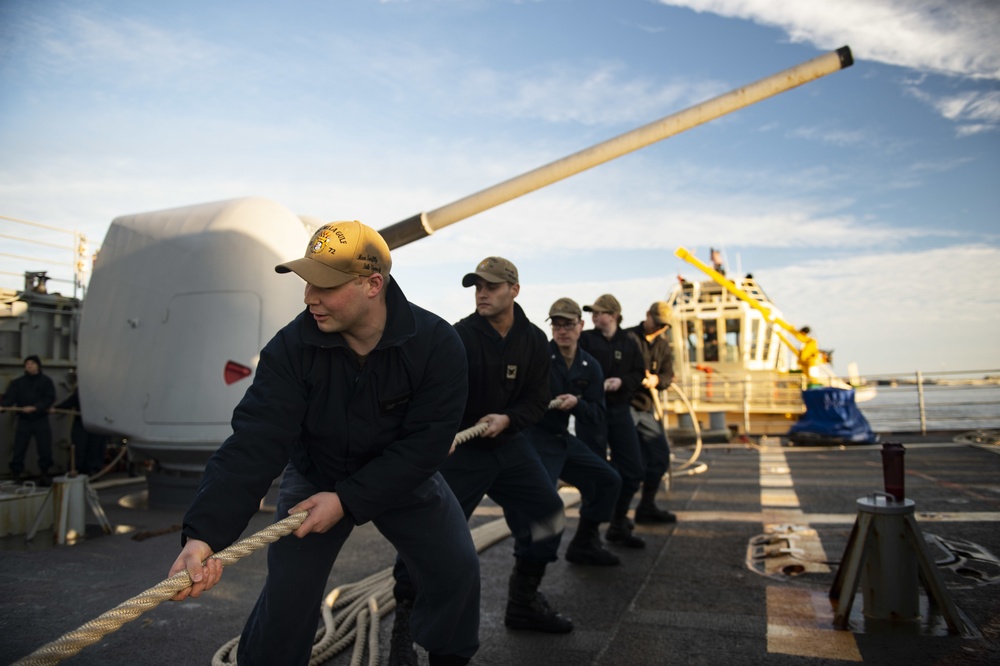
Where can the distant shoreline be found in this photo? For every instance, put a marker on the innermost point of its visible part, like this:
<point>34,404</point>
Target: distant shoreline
<point>908,381</point>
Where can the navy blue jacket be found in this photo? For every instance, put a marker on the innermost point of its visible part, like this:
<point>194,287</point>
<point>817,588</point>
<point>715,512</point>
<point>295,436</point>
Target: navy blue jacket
<point>28,390</point>
<point>583,379</point>
<point>658,359</point>
<point>507,375</point>
<point>619,357</point>
<point>371,433</point>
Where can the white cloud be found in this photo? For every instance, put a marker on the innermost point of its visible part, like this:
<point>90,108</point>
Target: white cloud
<point>887,310</point>
<point>837,137</point>
<point>957,37</point>
<point>970,130</point>
<point>585,91</point>
<point>594,95</point>
<point>974,111</point>
<point>66,42</point>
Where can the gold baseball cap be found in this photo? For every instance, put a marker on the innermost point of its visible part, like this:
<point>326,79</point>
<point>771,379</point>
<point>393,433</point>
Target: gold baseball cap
<point>604,303</point>
<point>566,308</point>
<point>492,269</point>
<point>339,252</point>
<point>660,312</point>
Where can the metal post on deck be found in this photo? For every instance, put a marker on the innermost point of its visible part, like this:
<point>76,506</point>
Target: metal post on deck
<point>887,555</point>
<point>746,405</point>
<point>920,403</point>
<point>68,494</point>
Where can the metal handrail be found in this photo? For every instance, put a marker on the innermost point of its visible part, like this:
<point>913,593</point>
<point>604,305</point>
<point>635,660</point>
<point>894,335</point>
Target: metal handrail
<point>906,402</point>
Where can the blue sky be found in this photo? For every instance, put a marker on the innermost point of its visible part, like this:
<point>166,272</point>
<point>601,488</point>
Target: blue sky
<point>867,203</point>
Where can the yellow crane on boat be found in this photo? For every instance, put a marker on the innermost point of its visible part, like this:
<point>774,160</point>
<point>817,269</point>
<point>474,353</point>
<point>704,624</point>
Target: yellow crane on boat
<point>807,351</point>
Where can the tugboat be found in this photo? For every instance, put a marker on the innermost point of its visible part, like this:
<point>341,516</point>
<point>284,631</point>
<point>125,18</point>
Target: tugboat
<point>739,367</point>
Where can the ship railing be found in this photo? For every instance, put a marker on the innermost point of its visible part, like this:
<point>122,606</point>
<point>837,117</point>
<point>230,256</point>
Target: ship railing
<point>763,390</point>
<point>762,401</point>
<point>960,401</point>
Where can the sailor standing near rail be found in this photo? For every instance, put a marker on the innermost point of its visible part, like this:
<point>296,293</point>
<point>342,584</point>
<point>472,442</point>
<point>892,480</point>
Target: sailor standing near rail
<point>31,395</point>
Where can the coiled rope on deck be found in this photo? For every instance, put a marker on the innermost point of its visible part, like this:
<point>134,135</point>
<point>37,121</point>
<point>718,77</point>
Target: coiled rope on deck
<point>363,604</point>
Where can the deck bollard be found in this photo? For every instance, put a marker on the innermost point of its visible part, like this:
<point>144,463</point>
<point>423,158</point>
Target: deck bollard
<point>886,554</point>
<point>889,581</point>
<point>69,497</point>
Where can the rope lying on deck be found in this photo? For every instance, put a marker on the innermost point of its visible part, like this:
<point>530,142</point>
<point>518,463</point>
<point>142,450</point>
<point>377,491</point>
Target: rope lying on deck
<point>71,643</point>
<point>91,632</point>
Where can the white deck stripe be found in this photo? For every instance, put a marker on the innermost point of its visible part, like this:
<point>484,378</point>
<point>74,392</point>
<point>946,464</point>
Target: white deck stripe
<point>793,626</point>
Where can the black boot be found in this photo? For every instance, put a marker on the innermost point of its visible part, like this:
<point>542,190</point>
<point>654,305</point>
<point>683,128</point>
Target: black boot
<point>619,531</point>
<point>647,511</point>
<point>527,608</point>
<point>401,651</point>
<point>587,547</point>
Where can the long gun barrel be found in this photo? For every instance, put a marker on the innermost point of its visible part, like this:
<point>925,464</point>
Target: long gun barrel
<point>424,224</point>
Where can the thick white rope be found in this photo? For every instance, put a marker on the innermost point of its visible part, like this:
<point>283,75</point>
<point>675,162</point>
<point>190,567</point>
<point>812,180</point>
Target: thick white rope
<point>91,632</point>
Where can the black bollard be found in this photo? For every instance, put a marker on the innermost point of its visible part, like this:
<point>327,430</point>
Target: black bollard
<point>893,469</point>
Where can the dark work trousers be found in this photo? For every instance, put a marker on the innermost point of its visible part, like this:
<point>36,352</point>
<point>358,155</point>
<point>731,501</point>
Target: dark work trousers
<point>88,448</point>
<point>512,476</point>
<point>654,446</point>
<point>26,429</point>
<point>626,459</point>
<point>429,532</point>
<point>566,457</point>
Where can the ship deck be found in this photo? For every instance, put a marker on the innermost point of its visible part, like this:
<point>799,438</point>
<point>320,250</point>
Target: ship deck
<point>694,595</point>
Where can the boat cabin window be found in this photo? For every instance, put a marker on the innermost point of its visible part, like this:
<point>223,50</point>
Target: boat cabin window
<point>732,354</point>
<point>711,340</point>
<point>692,340</point>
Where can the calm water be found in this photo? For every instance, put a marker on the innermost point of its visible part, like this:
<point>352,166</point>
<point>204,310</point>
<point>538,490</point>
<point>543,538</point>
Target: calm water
<point>962,407</point>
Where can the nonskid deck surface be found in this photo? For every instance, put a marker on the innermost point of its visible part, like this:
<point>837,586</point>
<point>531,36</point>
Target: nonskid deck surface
<point>695,595</point>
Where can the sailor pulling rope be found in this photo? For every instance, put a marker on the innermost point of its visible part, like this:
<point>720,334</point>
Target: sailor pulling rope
<point>369,609</point>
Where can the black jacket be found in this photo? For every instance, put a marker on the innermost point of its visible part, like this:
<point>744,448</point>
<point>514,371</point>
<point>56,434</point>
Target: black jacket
<point>659,360</point>
<point>619,357</point>
<point>583,379</point>
<point>28,390</point>
<point>507,375</point>
<point>372,433</point>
